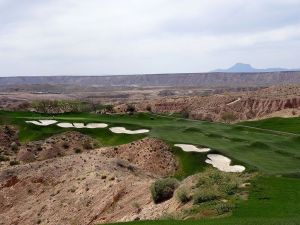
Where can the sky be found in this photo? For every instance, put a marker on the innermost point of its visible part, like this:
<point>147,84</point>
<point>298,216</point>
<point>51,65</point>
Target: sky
<point>100,37</point>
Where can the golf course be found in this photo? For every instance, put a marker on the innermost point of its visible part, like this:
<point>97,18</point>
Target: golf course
<point>269,148</point>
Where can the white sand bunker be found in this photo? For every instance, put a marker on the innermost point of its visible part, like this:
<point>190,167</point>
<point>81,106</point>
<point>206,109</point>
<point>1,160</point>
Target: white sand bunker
<point>191,148</point>
<point>65,125</point>
<point>235,101</point>
<point>123,130</point>
<point>42,122</point>
<point>223,163</point>
<point>90,125</point>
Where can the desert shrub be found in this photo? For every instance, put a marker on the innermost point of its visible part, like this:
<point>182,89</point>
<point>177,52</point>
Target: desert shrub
<point>185,113</point>
<point>65,145</point>
<point>14,162</point>
<point>224,208</point>
<point>4,158</point>
<point>109,108</point>
<point>130,109</point>
<point>228,117</point>
<point>14,146</point>
<point>77,150</point>
<point>87,145</point>
<point>183,196</point>
<point>148,108</point>
<point>230,188</point>
<point>163,189</point>
<point>204,196</point>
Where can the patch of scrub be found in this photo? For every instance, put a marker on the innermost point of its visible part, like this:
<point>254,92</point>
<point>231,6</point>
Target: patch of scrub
<point>223,163</point>
<point>90,125</point>
<point>42,122</point>
<point>191,148</point>
<point>65,125</point>
<point>123,130</point>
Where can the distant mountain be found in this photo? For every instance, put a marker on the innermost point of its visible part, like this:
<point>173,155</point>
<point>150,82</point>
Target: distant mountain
<point>247,68</point>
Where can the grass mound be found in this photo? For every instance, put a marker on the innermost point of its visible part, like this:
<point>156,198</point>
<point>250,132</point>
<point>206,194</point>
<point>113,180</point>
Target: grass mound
<point>260,145</point>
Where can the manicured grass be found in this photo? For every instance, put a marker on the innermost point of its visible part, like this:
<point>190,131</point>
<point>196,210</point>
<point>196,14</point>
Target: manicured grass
<point>272,201</point>
<point>266,151</point>
<point>291,125</point>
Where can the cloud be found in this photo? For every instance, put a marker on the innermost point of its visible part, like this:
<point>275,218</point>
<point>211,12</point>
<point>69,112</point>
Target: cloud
<point>132,36</point>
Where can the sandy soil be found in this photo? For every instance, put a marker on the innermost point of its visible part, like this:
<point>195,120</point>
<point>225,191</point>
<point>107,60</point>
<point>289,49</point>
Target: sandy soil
<point>65,125</point>
<point>68,125</point>
<point>43,122</point>
<point>123,130</point>
<point>191,148</point>
<point>235,101</point>
<point>223,163</point>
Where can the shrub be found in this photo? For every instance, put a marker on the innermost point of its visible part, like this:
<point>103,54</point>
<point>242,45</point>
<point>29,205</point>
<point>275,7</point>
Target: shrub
<point>183,196</point>
<point>224,208</point>
<point>65,145</point>
<point>228,117</point>
<point>148,108</point>
<point>230,188</point>
<point>163,189</point>
<point>185,113</point>
<point>130,109</point>
<point>77,150</point>
<point>14,146</point>
<point>13,163</point>
<point>87,145</point>
<point>4,158</point>
<point>204,196</point>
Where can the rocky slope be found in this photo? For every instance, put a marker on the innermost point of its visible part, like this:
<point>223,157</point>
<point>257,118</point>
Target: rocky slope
<point>93,187</point>
<point>67,143</point>
<point>242,106</point>
<point>155,156</point>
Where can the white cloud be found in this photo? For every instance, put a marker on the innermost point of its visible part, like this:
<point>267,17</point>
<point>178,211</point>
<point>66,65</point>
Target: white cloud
<point>134,36</point>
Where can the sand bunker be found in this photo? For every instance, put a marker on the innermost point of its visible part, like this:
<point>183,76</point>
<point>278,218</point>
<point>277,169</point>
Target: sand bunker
<point>68,125</point>
<point>42,122</point>
<point>65,125</point>
<point>90,125</point>
<point>123,130</point>
<point>223,163</point>
<point>235,101</point>
<point>191,148</point>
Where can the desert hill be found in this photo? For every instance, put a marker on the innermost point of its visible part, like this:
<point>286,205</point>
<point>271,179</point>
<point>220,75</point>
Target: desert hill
<point>183,79</point>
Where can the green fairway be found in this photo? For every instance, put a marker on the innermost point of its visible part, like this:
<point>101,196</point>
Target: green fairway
<point>266,151</point>
<point>291,125</point>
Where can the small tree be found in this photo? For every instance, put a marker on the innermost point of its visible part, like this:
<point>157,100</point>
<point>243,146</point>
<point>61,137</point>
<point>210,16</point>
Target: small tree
<point>228,117</point>
<point>109,108</point>
<point>130,109</point>
<point>185,113</point>
<point>148,108</point>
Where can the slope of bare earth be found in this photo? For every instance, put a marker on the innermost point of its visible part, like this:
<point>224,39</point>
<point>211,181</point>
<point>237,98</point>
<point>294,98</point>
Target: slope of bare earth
<point>149,154</point>
<point>87,188</point>
<point>67,143</point>
<point>243,105</point>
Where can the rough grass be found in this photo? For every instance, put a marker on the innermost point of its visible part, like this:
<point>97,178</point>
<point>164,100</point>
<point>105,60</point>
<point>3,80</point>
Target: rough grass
<point>291,125</point>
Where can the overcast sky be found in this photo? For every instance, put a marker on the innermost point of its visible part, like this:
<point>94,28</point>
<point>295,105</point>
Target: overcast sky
<point>97,37</point>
